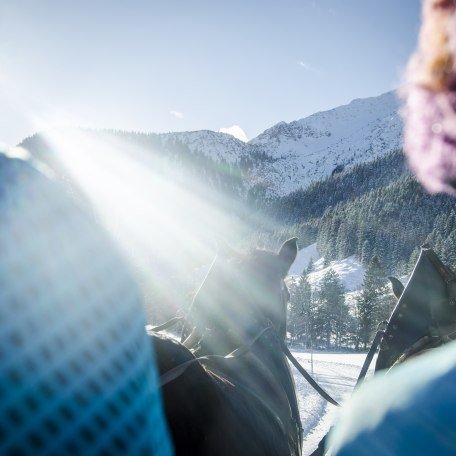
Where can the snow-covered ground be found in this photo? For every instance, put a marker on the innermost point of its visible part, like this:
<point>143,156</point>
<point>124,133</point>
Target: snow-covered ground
<point>349,270</point>
<point>303,259</point>
<point>337,374</point>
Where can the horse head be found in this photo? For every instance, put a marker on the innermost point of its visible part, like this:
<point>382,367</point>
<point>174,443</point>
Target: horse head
<point>239,379</point>
<point>240,296</point>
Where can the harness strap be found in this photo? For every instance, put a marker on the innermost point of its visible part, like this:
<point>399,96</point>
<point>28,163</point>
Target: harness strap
<point>246,347</point>
<point>176,371</point>
<point>307,376</point>
<point>166,325</point>
<point>425,343</point>
<point>370,355</point>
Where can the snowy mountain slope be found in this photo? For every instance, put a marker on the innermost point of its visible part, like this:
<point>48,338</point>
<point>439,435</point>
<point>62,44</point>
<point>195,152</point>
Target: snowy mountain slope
<point>283,158</point>
<point>303,259</point>
<point>291,155</point>
<point>214,145</point>
<point>311,148</point>
<point>349,270</point>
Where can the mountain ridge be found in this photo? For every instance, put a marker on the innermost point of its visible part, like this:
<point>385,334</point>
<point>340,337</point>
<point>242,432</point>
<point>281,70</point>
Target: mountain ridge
<point>290,156</point>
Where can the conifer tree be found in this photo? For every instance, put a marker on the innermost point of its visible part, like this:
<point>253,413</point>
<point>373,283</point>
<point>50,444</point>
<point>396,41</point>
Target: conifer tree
<point>311,266</point>
<point>369,302</point>
<point>301,310</point>
<point>332,309</point>
<point>366,252</point>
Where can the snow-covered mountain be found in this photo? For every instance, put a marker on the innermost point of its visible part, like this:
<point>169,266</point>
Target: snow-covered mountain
<point>314,147</point>
<point>291,155</point>
<point>214,145</point>
<point>283,158</point>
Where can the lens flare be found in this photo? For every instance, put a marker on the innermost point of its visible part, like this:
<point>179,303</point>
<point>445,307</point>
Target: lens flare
<point>164,218</point>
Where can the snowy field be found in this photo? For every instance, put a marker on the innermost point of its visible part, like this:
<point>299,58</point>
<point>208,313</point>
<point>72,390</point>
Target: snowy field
<point>337,374</point>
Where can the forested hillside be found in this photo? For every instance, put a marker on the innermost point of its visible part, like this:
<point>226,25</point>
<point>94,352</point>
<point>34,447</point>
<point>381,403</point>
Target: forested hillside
<point>342,186</point>
<point>324,315</point>
<point>390,222</point>
<point>374,209</point>
<point>170,157</point>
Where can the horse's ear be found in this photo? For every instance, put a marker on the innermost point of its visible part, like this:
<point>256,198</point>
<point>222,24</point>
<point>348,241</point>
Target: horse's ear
<point>287,254</point>
<point>397,286</point>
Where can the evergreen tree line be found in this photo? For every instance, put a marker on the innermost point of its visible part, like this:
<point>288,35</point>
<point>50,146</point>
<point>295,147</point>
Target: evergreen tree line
<point>312,201</point>
<point>374,209</point>
<point>391,223</point>
<point>171,159</point>
<point>321,317</point>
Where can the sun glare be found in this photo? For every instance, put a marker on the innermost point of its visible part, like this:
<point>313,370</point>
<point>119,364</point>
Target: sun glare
<point>162,220</point>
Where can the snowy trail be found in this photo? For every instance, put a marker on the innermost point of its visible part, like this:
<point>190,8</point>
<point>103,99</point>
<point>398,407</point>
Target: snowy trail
<point>337,374</point>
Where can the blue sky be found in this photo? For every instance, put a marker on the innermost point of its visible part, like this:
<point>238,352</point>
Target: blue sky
<point>186,65</point>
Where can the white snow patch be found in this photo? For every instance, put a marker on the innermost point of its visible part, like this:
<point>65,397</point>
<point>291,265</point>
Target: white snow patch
<point>303,259</point>
<point>15,152</point>
<point>351,297</point>
<point>350,271</point>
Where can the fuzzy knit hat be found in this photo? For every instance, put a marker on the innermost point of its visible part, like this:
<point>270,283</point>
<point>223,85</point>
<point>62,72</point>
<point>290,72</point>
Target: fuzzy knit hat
<point>430,99</point>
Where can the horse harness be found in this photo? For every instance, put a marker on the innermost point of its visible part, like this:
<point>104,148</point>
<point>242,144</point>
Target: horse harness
<point>384,334</point>
<point>179,370</point>
<point>175,372</point>
<point>424,344</point>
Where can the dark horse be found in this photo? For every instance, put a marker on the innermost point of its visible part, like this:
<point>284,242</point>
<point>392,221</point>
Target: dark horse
<point>232,392</point>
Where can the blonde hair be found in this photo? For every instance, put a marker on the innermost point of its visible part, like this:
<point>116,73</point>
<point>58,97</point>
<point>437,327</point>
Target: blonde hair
<point>433,66</point>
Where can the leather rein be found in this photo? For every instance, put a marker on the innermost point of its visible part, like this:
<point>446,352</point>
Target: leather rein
<point>177,371</point>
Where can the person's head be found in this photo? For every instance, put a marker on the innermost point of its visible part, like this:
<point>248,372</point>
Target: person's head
<point>430,99</point>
